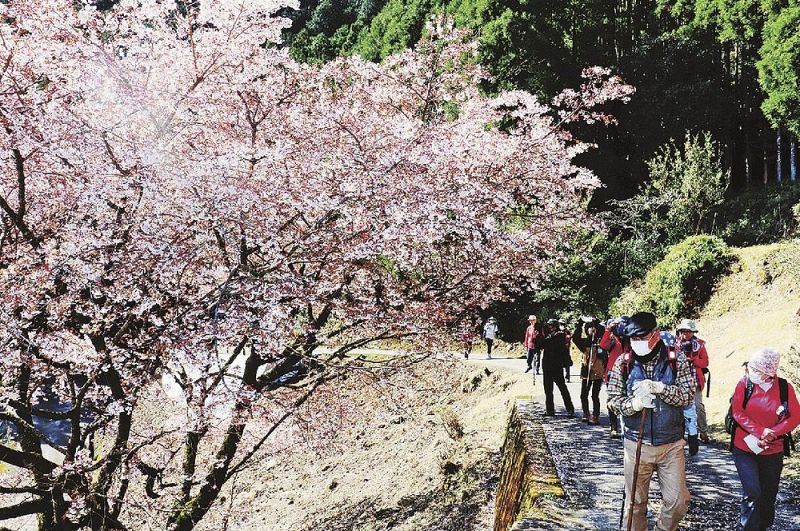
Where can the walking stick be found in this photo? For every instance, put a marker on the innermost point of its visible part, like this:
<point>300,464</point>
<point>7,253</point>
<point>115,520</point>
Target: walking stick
<point>636,468</point>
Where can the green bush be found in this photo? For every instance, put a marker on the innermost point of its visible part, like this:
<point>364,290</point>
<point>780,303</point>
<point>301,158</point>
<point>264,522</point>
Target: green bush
<point>681,283</point>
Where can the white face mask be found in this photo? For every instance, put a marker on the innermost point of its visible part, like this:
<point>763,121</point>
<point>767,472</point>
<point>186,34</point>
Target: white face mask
<point>757,380</point>
<point>641,348</point>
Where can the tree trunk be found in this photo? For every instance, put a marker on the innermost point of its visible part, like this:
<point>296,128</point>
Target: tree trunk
<point>764,150</point>
<point>778,157</point>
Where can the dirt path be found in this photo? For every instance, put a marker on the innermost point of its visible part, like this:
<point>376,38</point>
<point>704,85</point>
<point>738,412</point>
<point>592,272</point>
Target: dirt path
<point>589,464</point>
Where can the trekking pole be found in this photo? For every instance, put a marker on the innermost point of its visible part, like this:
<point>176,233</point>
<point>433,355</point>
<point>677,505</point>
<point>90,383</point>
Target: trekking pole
<point>636,468</point>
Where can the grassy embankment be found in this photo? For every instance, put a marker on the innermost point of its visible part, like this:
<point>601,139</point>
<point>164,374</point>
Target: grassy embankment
<point>756,305</point>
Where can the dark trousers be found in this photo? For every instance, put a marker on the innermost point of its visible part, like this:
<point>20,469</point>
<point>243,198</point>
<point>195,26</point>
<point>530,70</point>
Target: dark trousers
<point>594,386</point>
<point>534,356</point>
<point>489,343</point>
<point>760,475</point>
<point>556,376</point>
<point>614,420</point>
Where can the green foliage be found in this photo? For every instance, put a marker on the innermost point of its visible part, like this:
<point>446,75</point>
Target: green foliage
<point>757,216</point>
<point>686,183</point>
<point>596,270</point>
<point>397,26</point>
<point>779,69</point>
<point>681,283</point>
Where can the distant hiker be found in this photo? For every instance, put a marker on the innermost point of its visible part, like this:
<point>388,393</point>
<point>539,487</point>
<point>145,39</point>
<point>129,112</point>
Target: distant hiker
<point>766,411</point>
<point>554,356</point>
<point>489,335</point>
<point>593,366</point>
<point>646,380</point>
<point>533,338</point>
<point>562,325</point>
<point>468,335</point>
<point>694,349</point>
<point>612,344</point>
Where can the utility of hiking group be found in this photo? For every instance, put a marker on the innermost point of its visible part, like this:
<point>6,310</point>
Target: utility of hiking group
<point>655,381</point>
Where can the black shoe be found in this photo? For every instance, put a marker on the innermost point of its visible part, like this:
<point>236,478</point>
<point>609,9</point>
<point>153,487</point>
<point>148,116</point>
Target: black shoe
<point>549,414</point>
<point>571,414</point>
<point>694,445</point>
<point>528,369</point>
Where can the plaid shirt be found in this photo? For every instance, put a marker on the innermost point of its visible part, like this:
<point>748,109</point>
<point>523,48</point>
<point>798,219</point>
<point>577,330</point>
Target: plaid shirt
<point>681,394</point>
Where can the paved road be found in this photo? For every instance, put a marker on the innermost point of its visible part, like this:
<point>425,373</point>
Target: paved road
<point>589,464</point>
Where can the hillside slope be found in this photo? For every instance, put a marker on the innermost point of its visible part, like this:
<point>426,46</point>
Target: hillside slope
<point>756,305</point>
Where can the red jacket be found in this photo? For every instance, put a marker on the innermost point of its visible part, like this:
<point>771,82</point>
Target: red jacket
<point>698,357</point>
<point>530,337</point>
<point>611,344</point>
<point>761,413</point>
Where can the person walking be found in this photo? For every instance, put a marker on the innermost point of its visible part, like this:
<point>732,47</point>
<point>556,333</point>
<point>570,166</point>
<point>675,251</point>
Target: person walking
<point>531,344</point>
<point>695,350</point>
<point>489,334</point>
<point>612,344</point>
<point>649,387</point>
<point>766,410</point>
<point>554,356</point>
<point>593,366</point>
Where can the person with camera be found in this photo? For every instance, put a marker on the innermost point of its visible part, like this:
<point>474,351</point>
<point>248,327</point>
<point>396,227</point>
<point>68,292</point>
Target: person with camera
<point>766,411</point>
<point>694,349</point>
<point>593,366</point>
<point>612,344</point>
<point>649,387</point>
<point>562,325</point>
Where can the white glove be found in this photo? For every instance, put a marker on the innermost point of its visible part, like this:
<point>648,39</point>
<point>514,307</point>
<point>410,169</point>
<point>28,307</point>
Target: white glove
<point>641,389</point>
<point>648,387</point>
<point>640,402</point>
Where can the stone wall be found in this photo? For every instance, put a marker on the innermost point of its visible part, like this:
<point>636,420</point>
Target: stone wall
<point>529,494</point>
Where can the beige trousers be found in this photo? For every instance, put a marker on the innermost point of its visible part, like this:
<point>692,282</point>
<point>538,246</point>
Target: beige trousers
<point>702,423</point>
<point>670,462</point>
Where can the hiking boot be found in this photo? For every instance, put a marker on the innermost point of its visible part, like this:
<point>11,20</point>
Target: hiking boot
<point>694,445</point>
<point>571,414</point>
<point>594,421</point>
<point>550,414</point>
<point>585,417</point>
<point>614,433</point>
<point>705,438</point>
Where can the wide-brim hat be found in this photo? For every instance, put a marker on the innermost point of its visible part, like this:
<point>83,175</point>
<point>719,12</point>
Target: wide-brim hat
<point>687,324</point>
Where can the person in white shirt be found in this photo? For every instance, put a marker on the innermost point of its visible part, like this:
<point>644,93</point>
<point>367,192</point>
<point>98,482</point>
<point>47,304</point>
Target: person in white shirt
<point>489,334</point>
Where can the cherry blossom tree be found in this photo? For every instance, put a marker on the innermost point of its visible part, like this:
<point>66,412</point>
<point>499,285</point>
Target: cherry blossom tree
<point>184,208</point>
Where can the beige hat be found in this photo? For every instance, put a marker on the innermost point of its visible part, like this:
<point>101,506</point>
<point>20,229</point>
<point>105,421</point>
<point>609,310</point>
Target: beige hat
<point>687,324</point>
<point>765,360</point>
<point>531,318</point>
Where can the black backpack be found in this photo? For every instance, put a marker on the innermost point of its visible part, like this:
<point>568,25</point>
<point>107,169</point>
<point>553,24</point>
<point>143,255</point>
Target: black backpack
<point>730,422</point>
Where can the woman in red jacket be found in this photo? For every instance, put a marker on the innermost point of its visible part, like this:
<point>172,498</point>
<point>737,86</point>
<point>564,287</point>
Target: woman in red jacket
<point>758,440</point>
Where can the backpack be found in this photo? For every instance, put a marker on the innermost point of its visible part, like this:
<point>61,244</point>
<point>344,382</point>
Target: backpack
<point>627,362</point>
<point>730,422</point>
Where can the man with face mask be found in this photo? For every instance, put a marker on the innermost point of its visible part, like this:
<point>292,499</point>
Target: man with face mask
<point>647,377</point>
